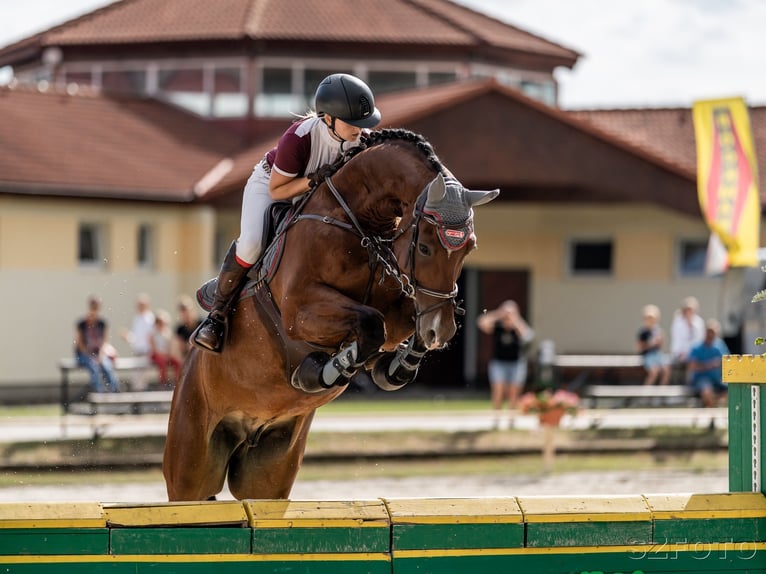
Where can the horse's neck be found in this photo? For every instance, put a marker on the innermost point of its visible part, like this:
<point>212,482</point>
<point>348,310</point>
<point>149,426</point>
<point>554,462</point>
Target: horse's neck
<point>382,191</point>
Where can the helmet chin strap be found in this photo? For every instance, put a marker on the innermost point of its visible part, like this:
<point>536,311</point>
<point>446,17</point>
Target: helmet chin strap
<point>331,125</point>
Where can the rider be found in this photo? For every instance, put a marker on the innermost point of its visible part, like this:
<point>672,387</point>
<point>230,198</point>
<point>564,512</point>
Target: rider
<point>344,106</point>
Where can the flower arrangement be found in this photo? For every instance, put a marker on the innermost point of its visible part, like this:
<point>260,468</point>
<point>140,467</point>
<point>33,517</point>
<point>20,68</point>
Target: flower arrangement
<point>546,400</point>
<point>549,405</point>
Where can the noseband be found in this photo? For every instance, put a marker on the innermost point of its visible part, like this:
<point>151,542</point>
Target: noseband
<point>381,253</point>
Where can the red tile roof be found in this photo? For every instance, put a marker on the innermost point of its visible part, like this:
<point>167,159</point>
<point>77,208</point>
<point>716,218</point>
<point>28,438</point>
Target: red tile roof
<point>668,133</point>
<point>401,108</point>
<point>412,22</point>
<point>98,146</point>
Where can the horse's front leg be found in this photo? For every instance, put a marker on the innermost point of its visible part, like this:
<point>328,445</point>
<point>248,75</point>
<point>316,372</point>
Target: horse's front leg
<point>331,319</point>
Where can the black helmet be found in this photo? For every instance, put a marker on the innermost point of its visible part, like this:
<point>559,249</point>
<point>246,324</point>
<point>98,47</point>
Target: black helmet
<point>347,98</point>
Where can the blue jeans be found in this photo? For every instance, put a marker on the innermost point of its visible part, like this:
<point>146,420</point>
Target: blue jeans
<point>708,379</point>
<point>98,371</point>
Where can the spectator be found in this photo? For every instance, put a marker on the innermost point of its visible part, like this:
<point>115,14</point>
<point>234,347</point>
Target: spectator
<point>686,331</point>
<point>187,323</point>
<point>142,326</point>
<point>649,344</point>
<point>138,336</point>
<point>508,367</point>
<point>705,361</point>
<point>160,342</point>
<point>93,351</point>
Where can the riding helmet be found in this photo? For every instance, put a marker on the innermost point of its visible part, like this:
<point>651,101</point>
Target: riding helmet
<point>349,99</point>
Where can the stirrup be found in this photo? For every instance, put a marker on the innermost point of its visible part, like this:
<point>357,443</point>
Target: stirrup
<point>218,328</point>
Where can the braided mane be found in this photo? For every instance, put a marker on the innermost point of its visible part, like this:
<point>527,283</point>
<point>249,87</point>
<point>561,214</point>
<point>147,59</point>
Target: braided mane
<point>378,137</point>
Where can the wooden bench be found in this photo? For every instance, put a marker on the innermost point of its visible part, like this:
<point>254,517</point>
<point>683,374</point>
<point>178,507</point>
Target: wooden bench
<point>122,365</point>
<point>577,370</point>
<point>137,402</point>
<point>599,361</point>
<point>641,395</point>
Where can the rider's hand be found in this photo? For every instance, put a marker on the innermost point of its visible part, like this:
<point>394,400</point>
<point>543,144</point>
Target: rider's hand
<point>322,173</point>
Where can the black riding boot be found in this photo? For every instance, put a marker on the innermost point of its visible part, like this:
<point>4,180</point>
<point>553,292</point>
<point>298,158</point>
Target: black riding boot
<point>211,333</point>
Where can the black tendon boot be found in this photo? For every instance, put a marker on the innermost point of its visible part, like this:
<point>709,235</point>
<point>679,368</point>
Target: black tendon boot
<point>319,371</point>
<point>211,333</point>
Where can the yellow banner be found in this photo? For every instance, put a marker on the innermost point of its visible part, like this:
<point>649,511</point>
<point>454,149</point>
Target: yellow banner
<point>727,177</point>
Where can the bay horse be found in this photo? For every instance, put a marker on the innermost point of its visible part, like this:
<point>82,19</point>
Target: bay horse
<point>367,283</point>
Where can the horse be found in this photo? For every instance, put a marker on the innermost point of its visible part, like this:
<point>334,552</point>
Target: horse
<point>367,284</point>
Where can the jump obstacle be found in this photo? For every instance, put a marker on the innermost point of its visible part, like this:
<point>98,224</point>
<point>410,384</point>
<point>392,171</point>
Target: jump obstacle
<point>632,534</point>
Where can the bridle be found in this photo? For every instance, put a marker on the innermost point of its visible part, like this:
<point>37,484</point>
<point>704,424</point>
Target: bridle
<point>380,251</point>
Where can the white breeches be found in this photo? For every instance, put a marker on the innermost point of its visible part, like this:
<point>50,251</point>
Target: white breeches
<point>255,202</point>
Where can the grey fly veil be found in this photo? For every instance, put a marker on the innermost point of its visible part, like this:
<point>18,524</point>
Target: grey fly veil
<point>449,206</point>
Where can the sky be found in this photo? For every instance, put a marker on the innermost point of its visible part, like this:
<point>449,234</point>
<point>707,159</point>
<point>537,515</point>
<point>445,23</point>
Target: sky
<point>646,53</point>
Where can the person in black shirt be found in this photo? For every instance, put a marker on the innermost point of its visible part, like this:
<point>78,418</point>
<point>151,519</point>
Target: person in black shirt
<point>188,321</point>
<point>508,366</point>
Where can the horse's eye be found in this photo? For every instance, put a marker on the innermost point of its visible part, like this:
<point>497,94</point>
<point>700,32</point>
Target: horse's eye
<point>424,249</point>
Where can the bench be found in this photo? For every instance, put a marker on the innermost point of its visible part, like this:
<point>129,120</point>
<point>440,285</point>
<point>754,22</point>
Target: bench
<point>646,395</point>
<point>602,369</point>
<point>122,365</point>
<point>598,361</point>
<point>136,401</point>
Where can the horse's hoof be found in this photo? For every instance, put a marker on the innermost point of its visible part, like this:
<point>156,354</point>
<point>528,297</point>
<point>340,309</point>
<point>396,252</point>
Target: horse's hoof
<point>308,376</point>
<point>388,382</point>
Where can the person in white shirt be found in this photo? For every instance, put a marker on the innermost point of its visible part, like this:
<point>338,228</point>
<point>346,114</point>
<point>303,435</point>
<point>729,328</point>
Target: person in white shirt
<point>138,337</point>
<point>142,327</point>
<point>686,331</point>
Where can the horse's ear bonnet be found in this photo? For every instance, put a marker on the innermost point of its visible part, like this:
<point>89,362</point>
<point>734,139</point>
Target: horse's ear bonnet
<point>450,204</point>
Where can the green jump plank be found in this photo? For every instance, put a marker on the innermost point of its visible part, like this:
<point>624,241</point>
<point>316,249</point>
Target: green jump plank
<point>708,518</point>
<point>456,523</point>
<point>283,526</point>
<point>342,564</point>
<point>29,528</point>
<point>586,521</point>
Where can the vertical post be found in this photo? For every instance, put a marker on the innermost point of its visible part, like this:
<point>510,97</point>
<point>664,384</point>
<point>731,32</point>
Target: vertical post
<point>746,377</point>
<point>549,448</point>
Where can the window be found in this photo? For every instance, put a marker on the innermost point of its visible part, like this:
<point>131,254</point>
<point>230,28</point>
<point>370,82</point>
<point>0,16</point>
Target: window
<point>124,82</point>
<point>185,88</point>
<point>591,257</point>
<point>145,247</point>
<point>80,78</point>
<point>692,254</point>
<point>542,91</point>
<point>229,99</point>
<point>276,98</point>
<point>90,249</point>
<point>436,78</point>
<point>384,82</point>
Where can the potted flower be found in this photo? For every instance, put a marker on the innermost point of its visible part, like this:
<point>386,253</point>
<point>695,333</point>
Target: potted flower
<point>550,406</point>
